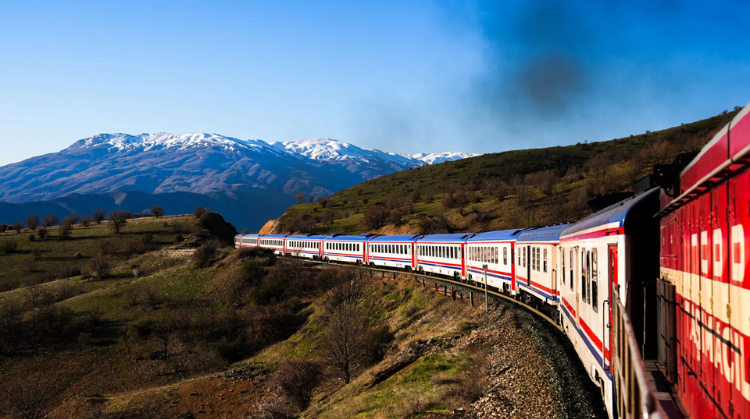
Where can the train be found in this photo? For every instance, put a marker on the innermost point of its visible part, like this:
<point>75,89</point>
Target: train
<point>660,275</point>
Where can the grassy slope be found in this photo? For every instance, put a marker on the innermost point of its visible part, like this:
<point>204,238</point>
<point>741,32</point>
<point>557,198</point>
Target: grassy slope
<point>105,370</point>
<point>625,159</point>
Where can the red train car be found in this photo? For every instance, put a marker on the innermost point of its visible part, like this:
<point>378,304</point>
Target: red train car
<point>705,220</point>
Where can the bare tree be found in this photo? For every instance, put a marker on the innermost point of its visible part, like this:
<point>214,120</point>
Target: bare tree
<point>3,228</point>
<point>100,266</point>
<point>28,398</point>
<point>300,197</point>
<point>50,219</point>
<point>32,221</point>
<point>311,198</point>
<point>344,341</point>
<point>98,216</point>
<point>157,211</point>
<point>86,221</point>
<point>118,219</point>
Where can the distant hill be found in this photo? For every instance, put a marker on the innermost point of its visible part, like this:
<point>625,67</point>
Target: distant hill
<point>512,189</point>
<point>182,170</point>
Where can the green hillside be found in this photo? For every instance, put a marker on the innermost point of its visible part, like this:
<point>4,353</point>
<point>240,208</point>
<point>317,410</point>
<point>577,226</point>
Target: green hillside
<point>511,189</point>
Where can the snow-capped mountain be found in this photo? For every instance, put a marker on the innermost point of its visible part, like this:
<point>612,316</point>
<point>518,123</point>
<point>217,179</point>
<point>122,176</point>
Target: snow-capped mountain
<point>201,163</point>
<point>436,158</point>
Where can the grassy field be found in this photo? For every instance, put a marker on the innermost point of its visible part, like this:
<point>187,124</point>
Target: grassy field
<point>501,190</point>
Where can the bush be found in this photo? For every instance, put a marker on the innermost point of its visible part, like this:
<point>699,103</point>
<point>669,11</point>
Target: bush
<point>231,350</point>
<point>42,233</point>
<point>86,221</point>
<point>100,267</point>
<point>9,246</point>
<point>296,379</point>
<point>32,237</point>
<point>178,239</point>
<point>204,255</point>
<point>200,212</point>
<point>3,228</point>
<point>108,246</point>
<point>50,219</point>
<point>78,255</point>
<point>64,230</point>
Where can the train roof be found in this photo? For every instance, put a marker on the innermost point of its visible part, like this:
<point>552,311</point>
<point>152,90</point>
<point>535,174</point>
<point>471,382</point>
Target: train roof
<point>501,235</point>
<point>398,238</point>
<point>614,216</point>
<point>457,237</point>
<point>345,238</point>
<point>272,236</point>
<point>543,234</point>
<point>305,237</point>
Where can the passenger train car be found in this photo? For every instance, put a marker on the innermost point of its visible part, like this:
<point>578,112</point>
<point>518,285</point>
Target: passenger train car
<point>537,263</point>
<point>672,258</point>
<point>496,250</point>
<point>393,251</point>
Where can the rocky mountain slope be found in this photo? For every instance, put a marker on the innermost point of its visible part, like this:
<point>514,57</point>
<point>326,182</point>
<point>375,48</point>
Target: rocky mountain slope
<point>234,172</point>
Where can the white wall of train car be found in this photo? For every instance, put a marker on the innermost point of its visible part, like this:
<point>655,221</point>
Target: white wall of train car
<point>304,246</point>
<point>238,241</point>
<point>392,251</point>
<point>537,262</point>
<point>273,242</point>
<point>349,249</point>
<point>497,250</point>
<point>585,315</point>
<point>249,240</point>
<point>535,269</point>
<point>442,254</point>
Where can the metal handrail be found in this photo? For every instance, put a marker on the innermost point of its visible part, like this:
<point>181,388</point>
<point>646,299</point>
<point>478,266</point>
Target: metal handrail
<point>633,392</point>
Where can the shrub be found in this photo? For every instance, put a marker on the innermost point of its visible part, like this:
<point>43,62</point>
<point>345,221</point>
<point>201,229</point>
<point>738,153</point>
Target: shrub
<point>9,246</point>
<point>100,267</point>
<point>86,221</point>
<point>78,255</point>
<point>3,228</point>
<point>204,254</point>
<point>42,233</point>
<point>50,219</point>
<point>178,239</point>
<point>18,226</point>
<point>200,212</point>
<point>64,230</point>
<point>32,237</point>
<point>108,246</point>
<point>296,379</point>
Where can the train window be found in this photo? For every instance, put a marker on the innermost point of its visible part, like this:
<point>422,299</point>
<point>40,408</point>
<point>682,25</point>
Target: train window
<point>524,258</point>
<point>505,255</point>
<point>584,283</point>
<point>562,262</point>
<point>594,282</point>
<point>570,270</point>
<point>496,251</point>
<point>588,274</point>
<point>545,261</point>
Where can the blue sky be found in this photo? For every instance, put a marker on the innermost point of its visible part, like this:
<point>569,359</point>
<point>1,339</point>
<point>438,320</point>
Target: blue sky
<point>403,76</point>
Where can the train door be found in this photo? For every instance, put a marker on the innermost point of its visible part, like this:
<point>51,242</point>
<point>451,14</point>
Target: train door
<point>611,285</point>
<point>528,265</point>
<point>553,270</point>
<point>577,279</point>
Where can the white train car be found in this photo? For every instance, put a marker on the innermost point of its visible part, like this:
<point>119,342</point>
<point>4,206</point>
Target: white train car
<point>275,242</point>
<point>393,251</point>
<point>245,240</point>
<point>611,249</point>
<point>496,250</point>
<point>305,246</point>
<point>341,248</point>
<point>537,263</point>
<point>442,254</point>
